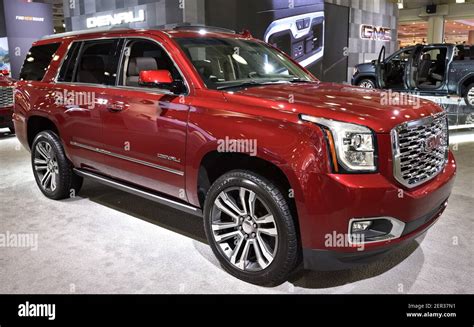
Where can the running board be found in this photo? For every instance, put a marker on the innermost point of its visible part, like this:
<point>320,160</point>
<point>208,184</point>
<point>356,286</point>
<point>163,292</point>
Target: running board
<point>140,192</point>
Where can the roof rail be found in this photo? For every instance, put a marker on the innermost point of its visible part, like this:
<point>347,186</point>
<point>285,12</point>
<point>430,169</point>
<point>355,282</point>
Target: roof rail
<point>89,31</point>
<point>198,27</point>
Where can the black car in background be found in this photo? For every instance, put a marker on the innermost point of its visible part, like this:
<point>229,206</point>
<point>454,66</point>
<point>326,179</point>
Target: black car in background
<point>428,70</point>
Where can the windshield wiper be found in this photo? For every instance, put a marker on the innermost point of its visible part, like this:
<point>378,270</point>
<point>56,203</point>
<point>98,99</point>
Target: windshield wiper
<point>300,80</point>
<point>247,84</point>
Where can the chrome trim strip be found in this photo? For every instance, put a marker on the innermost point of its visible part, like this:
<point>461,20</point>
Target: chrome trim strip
<point>140,192</point>
<point>397,230</point>
<point>188,89</point>
<point>119,156</point>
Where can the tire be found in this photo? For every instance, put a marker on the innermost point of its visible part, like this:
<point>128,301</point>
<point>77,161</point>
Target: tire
<point>469,96</point>
<point>269,244</point>
<point>366,83</point>
<point>48,157</point>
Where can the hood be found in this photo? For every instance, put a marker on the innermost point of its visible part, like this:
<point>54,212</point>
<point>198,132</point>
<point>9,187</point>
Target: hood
<point>381,111</point>
<point>366,67</point>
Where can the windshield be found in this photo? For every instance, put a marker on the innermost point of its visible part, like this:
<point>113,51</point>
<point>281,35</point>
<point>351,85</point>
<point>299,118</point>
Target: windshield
<point>226,63</point>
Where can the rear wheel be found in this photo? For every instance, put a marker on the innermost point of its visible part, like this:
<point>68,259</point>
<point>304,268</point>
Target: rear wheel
<point>52,170</point>
<point>367,83</point>
<point>469,95</point>
<point>250,228</point>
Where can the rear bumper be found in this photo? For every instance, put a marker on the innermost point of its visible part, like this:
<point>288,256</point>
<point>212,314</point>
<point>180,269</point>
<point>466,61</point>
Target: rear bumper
<point>6,117</point>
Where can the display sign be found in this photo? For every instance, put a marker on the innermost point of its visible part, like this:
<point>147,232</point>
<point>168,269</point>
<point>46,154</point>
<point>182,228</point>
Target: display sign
<point>375,33</point>
<point>116,19</point>
<point>25,23</point>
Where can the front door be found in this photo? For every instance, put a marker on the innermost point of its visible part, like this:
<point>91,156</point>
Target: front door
<point>145,127</point>
<point>392,72</point>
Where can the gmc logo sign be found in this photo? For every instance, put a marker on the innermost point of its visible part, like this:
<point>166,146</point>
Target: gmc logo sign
<point>434,142</point>
<point>370,32</point>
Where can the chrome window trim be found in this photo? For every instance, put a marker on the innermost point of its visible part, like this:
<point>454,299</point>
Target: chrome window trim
<point>119,156</point>
<point>396,149</point>
<point>161,91</point>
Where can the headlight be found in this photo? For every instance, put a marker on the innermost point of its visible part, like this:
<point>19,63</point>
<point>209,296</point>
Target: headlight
<point>352,146</point>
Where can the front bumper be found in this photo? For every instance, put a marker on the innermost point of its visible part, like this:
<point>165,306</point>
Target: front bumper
<point>345,197</point>
<point>6,117</point>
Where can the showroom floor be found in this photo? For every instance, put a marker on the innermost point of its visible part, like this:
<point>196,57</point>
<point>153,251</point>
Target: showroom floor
<point>106,241</point>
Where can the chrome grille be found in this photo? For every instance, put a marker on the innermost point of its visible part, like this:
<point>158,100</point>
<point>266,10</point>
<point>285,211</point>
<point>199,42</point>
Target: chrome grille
<point>6,97</point>
<point>420,150</point>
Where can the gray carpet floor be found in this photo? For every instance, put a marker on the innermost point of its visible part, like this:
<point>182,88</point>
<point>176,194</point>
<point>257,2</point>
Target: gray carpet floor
<point>107,241</point>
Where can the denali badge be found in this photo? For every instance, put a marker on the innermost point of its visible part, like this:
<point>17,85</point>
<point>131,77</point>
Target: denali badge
<point>433,142</point>
<point>169,158</point>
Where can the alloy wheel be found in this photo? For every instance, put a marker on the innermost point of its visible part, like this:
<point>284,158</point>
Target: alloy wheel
<point>46,166</point>
<point>244,229</point>
<point>367,85</point>
<point>470,96</point>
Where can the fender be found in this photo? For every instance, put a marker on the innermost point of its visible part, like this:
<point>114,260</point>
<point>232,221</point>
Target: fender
<point>461,82</point>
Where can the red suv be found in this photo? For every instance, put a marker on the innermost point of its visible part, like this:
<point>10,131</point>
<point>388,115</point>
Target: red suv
<point>282,168</point>
<point>6,101</point>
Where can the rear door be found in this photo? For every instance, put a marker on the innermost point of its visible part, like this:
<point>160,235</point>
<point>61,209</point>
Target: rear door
<point>81,91</point>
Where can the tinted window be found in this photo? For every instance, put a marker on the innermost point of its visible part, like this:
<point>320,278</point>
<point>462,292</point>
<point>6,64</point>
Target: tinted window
<point>67,69</point>
<point>37,62</point>
<point>146,55</point>
<point>98,62</point>
<point>226,62</point>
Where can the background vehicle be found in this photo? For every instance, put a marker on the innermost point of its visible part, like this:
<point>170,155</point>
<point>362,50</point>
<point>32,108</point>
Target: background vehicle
<point>275,161</point>
<point>6,101</point>
<point>435,69</point>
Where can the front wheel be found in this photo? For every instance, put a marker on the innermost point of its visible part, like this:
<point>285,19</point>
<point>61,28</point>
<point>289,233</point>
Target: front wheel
<point>469,96</point>
<point>250,228</point>
<point>52,170</point>
<point>367,83</point>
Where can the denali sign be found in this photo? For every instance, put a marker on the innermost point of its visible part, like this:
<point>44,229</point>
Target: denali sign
<point>116,19</point>
<point>377,33</point>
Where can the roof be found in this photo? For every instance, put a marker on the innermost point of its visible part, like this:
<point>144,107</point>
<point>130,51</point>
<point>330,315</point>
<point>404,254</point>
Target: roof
<point>177,31</point>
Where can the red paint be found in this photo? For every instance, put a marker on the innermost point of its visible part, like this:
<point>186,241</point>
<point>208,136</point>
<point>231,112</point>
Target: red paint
<point>188,127</point>
<point>156,76</point>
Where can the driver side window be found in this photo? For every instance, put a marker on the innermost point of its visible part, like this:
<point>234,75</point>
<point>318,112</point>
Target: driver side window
<point>145,55</point>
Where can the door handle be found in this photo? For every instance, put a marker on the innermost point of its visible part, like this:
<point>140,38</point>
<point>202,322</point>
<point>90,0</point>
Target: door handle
<point>116,107</point>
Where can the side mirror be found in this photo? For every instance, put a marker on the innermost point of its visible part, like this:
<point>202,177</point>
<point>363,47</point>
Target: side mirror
<point>154,77</point>
<point>5,72</point>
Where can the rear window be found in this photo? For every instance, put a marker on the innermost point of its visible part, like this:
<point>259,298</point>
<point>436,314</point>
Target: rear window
<point>37,61</point>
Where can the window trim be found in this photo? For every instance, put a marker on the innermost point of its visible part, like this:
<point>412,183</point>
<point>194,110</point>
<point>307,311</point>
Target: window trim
<point>116,86</point>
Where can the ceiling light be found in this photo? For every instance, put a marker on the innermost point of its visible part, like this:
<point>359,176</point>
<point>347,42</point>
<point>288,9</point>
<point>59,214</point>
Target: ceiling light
<point>400,4</point>
<point>460,1</point>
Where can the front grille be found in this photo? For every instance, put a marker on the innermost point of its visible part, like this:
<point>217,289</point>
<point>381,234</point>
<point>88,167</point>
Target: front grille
<point>420,150</point>
<point>6,97</point>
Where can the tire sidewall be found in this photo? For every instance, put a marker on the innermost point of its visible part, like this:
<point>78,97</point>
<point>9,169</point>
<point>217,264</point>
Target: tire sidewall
<point>282,226</point>
<point>51,139</point>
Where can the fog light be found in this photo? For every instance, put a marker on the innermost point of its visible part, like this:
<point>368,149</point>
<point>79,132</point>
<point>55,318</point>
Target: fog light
<point>360,226</point>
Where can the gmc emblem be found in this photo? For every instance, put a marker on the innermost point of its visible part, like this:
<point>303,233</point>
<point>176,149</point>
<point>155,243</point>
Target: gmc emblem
<point>433,142</point>
<point>377,33</point>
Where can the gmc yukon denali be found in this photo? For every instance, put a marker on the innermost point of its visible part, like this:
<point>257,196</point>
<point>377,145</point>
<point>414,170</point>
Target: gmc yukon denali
<point>283,169</point>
